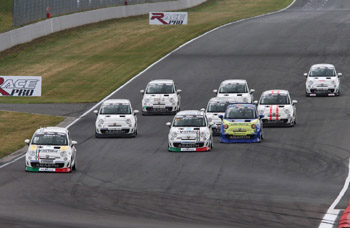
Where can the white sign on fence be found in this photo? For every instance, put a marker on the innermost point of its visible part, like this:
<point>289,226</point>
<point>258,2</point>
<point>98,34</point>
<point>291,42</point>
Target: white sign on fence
<point>20,86</point>
<point>168,18</point>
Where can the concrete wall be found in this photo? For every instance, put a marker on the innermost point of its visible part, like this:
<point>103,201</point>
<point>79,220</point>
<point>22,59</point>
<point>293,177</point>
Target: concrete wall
<point>33,31</point>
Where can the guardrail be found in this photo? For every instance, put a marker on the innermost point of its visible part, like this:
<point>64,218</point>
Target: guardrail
<point>33,31</point>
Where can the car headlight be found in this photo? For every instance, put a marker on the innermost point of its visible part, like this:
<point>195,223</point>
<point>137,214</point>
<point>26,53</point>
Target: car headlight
<point>253,126</point>
<point>334,82</point>
<point>210,120</point>
<point>63,153</point>
<point>146,100</point>
<point>310,83</point>
<point>261,112</point>
<point>287,111</point>
<point>172,100</point>
<point>32,153</point>
<point>173,134</point>
<point>100,121</point>
<point>245,100</point>
<point>128,121</point>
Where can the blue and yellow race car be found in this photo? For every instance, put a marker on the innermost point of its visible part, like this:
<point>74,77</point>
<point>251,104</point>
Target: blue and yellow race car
<point>241,123</point>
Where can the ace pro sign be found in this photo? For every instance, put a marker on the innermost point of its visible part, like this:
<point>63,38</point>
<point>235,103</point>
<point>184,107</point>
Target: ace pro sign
<point>168,18</point>
<point>20,86</point>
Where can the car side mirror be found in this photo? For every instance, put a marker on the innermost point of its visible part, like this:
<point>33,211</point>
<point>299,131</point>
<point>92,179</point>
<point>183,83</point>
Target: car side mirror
<point>96,112</point>
<point>252,91</point>
<point>305,75</point>
<point>255,102</point>
<point>294,102</point>
<point>74,143</point>
<point>215,91</point>
<point>136,111</point>
<point>27,141</point>
<point>168,124</point>
<point>221,116</point>
<point>179,91</point>
<point>202,109</point>
<point>142,91</point>
<point>261,116</point>
<point>340,75</point>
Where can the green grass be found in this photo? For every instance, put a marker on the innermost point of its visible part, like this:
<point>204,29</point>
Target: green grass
<point>87,63</point>
<point>5,15</point>
<point>16,127</point>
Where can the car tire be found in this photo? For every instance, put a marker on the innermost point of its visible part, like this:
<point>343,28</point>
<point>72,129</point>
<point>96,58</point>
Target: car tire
<point>74,167</point>
<point>211,144</point>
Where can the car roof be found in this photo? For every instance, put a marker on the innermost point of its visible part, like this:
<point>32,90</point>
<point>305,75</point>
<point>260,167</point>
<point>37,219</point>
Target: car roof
<point>280,91</point>
<point>222,100</point>
<point>190,113</point>
<point>52,129</point>
<point>322,65</point>
<point>242,105</point>
<point>233,81</point>
<point>161,81</point>
<point>116,101</point>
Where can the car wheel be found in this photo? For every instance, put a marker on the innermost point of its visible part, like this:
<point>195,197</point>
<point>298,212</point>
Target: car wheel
<point>74,167</point>
<point>211,144</point>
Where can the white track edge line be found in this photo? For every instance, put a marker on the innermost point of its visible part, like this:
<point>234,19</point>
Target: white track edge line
<point>332,213</point>
<point>158,61</point>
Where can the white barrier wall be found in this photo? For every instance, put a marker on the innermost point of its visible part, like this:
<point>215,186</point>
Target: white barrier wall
<point>33,31</point>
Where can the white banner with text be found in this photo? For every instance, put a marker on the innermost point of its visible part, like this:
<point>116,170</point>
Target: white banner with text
<point>20,86</point>
<point>168,18</point>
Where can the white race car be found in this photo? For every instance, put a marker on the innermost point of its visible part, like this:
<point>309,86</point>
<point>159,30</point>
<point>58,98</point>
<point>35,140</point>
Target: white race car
<point>190,131</point>
<point>51,150</point>
<point>322,80</point>
<point>116,118</point>
<point>277,108</point>
<point>161,97</point>
<point>216,107</point>
<point>236,88</point>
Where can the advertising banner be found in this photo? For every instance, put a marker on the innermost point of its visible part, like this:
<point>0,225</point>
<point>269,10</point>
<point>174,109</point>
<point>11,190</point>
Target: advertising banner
<point>168,18</point>
<point>20,86</point>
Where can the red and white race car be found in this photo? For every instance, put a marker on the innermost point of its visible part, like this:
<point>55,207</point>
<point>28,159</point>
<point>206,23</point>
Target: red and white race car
<point>277,107</point>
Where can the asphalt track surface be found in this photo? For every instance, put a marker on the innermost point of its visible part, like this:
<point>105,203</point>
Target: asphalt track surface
<point>288,180</point>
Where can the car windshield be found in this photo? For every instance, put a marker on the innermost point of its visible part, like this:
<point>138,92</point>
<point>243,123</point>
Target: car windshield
<point>233,88</point>
<point>161,88</point>
<point>240,113</point>
<point>189,121</point>
<point>275,99</point>
<point>115,109</point>
<point>217,107</point>
<point>50,138</point>
<point>322,72</point>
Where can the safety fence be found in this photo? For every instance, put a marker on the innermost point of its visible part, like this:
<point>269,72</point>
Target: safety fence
<point>28,11</point>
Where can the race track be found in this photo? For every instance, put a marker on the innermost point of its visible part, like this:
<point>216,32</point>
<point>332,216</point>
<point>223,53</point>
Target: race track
<point>288,180</point>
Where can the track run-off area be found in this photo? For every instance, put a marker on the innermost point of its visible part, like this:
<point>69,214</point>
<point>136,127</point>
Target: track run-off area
<point>291,179</point>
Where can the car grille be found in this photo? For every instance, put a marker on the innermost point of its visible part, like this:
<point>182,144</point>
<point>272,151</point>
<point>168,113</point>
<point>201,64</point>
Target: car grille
<point>165,109</point>
<point>322,91</point>
<point>115,132</point>
<point>188,145</point>
<point>43,165</point>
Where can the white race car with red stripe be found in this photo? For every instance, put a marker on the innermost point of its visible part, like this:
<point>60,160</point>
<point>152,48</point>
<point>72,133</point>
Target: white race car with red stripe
<point>190,131</point>
<point>322,80</point>
<point>51,150</point>
<point>277,108</point>
<point>237,89</point>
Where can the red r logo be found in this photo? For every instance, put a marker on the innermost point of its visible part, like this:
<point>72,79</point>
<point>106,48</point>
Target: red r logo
<point>3,92</point>
<point>158,16</point>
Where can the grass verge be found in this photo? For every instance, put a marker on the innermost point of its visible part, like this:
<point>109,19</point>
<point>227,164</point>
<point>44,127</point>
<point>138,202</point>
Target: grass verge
<point>16,127</point>
<point>87,63</point>
<point>6,15</point>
